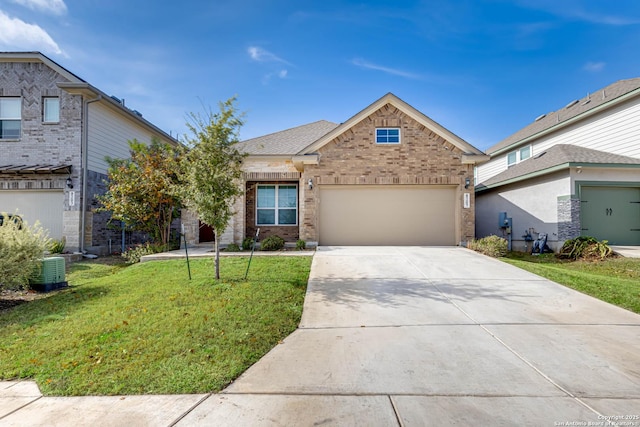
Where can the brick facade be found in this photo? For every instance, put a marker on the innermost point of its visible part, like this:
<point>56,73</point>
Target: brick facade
<point>44,143</point>
<point>290,233</point>
<point>422,157</point>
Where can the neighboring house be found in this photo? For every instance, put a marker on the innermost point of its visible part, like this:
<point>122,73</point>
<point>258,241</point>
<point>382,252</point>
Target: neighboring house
<point>572,172</point>
<point>55,132</point>
<point>387,176</point>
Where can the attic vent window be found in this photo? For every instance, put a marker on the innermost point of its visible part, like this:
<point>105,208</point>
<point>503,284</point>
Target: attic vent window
<point>540,117</point>
<point>572,103</point>
<point>388,136</point>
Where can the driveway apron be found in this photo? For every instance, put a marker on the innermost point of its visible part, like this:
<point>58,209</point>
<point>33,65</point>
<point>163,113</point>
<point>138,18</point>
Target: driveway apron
<point>436,336</point>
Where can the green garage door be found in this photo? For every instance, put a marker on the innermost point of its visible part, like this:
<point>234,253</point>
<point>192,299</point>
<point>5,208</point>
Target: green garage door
<point>611,213</point>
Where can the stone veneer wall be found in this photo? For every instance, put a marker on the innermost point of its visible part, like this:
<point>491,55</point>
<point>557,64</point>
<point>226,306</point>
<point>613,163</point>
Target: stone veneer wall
<point>354,158</point>
<point>569,226</point>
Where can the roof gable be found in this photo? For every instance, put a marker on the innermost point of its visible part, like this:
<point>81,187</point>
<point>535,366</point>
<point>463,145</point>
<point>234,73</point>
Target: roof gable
<point>39,57</point>
<point>396,102</point>
<point>575,110</point>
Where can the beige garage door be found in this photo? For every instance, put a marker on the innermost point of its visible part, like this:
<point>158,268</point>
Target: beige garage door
<point>32,205</point>
<point>387,215</point>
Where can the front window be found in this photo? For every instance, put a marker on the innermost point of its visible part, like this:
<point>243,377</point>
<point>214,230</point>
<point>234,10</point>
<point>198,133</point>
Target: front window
<point>388,136</point>
<point>10,117</point>
<point>51,110</point>
<point>277,205</point>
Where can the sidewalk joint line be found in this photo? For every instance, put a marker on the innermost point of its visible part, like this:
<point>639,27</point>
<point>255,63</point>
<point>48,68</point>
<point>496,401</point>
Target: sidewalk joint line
<point>21,407</point>
<point>188,411</point>
<point>514,352</point>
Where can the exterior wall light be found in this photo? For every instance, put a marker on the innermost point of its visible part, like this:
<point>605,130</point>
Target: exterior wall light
<point>310,184</point>
<point>467,183</point>
<point>69,183</point>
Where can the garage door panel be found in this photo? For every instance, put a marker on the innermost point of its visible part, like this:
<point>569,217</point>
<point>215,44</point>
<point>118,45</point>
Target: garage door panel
<point>387,215</point>
<point>43,206</point>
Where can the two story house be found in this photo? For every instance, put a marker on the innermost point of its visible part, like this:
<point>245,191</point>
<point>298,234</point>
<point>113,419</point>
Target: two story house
<point>55,132</point>
<point>572,172</point>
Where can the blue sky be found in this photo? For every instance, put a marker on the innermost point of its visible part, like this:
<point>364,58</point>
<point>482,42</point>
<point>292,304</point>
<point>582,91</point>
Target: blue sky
<point>481,68</point>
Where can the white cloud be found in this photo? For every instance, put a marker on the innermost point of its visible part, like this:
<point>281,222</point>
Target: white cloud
<point>19,35</point>
<point>56,7</point>
<point>359,62</point>
<point>594,67</point>
<point>261,55</point>
<point>283,74</point>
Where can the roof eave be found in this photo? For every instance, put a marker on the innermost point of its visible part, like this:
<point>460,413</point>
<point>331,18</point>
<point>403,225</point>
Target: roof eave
<point>88,91</point>
<point>561,125</point>
<point>480,188</point>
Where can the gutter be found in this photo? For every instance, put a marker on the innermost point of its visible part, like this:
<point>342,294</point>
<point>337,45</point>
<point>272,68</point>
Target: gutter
<point>85,167</point>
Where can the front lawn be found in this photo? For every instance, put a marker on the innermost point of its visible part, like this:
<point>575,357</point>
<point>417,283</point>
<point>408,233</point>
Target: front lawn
<point>147,329</point>
<point>614,280</point>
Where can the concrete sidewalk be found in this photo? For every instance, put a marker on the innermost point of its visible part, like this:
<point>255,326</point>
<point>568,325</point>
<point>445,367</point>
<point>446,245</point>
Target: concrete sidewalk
<point>407,336</point>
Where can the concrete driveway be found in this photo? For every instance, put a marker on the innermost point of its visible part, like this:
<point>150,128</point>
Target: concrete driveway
<point>406,336</point>
<point>436,336</point>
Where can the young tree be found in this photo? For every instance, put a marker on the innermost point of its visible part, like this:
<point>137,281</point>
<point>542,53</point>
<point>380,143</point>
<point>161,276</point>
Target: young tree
<point>141,190</point>
<point>212,168</point>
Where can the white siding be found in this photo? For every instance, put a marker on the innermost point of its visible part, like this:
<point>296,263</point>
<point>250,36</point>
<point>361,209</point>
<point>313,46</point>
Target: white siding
<point>616,131</point>
<point>109,133</point>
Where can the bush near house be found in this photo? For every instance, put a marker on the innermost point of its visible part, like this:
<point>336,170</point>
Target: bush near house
<point>21,249</point>
<point>492,246</point>
<point>133,255</point>
<point>272,243</point>
<point>585,247</point>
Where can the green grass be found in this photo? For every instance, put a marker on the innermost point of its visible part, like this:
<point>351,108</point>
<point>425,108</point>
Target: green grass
<point>614,280</point>
<point>147,329</point>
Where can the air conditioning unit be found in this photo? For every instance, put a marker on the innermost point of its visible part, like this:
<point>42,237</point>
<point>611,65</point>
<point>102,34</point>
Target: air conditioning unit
<point>51,276</point>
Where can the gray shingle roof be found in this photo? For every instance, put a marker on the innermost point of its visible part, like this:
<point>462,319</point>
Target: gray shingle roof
<point>561,154</point>
<point>571,110</point>
<point>287,142</point>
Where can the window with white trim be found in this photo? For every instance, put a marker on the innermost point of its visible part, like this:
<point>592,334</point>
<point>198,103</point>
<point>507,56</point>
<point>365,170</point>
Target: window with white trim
<point>387,135</point>
<point>277,204</point>
<point>10,117</point>
<point>50,110</point>
<point>517,156</point>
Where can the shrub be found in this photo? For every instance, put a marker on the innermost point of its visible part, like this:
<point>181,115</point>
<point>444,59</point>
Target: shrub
<point>21,249</point>
<point>56,246</point>
<point>585,247</point>
<point>272,243</point>
<point>247,243</point>
<point>493,246</point>
<point>301,245</point>
<point>133,255</point>
<point>232,247</point>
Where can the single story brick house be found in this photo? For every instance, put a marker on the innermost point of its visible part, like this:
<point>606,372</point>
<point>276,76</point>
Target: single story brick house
<point>389,175</point>
<point>572,172</point>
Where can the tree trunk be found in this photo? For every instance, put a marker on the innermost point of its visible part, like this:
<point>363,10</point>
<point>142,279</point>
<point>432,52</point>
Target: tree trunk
<point>217,259</point>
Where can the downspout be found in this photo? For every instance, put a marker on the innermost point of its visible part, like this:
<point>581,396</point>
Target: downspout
<point>85,169</point>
